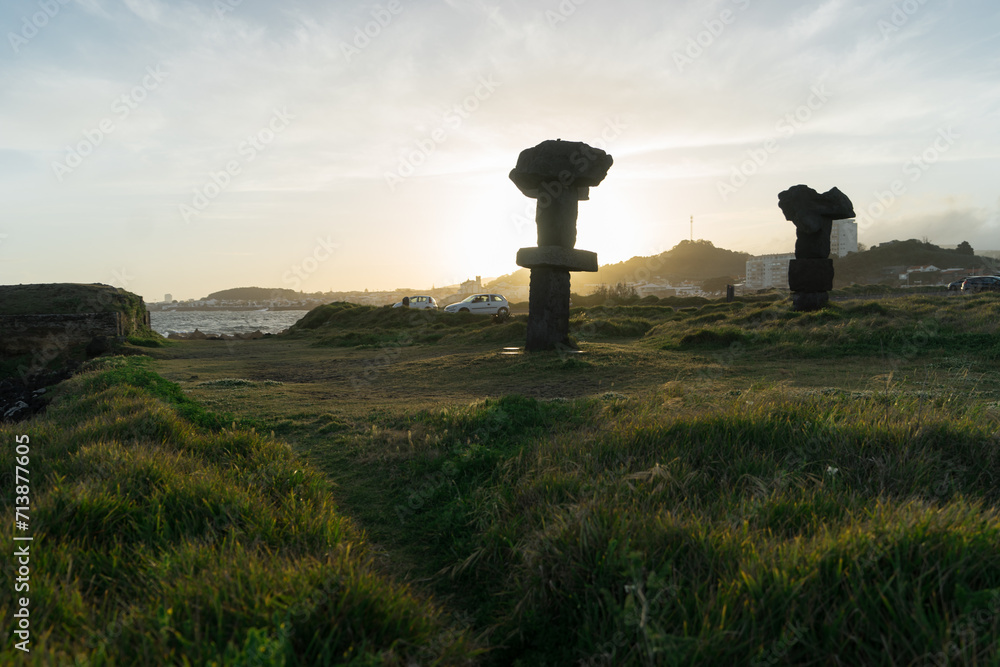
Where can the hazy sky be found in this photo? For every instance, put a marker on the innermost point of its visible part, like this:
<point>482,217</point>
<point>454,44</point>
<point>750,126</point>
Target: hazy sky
<point>187,147</point>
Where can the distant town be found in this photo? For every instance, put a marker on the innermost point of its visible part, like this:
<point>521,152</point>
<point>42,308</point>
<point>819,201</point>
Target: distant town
<point>692,268</point>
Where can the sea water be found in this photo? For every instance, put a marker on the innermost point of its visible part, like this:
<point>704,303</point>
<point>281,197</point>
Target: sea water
<point>223,321</point>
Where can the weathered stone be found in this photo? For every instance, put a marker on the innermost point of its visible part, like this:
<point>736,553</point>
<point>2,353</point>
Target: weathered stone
<point>559,174</point>
<point>571,164</point>
<point>41,334</point>
<point>810,275</point>
<point>556,257</point>
<point>812,214</point>
<point>555,218</point>
<point>805,301</point>
<point>548,310</point>
<point>97,346</point>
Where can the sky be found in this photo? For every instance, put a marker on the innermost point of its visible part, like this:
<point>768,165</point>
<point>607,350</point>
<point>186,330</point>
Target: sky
<point>187,147</point>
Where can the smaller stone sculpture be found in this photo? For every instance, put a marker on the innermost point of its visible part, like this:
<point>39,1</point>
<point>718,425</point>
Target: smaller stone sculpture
<point>810,274</point>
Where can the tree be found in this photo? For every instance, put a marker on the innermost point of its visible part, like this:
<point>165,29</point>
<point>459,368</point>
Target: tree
<point>620,293</point>
<point>965,248</point>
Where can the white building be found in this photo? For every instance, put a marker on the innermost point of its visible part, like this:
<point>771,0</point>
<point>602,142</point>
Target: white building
<point>766,271</point>
<point>471,286</point>
<point>843,237</point>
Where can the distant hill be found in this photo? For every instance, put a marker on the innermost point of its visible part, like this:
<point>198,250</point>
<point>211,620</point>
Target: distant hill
<point>688,260</point>
<point>883,262</point>
<point>257,294</point>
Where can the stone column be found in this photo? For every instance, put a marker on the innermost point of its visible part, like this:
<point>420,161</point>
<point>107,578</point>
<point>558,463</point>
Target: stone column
<point>559,174</point>
<point>810,274</point>
<point>548,296</point>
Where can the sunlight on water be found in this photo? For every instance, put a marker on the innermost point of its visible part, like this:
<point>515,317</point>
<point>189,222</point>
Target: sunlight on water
<point>223,321</point>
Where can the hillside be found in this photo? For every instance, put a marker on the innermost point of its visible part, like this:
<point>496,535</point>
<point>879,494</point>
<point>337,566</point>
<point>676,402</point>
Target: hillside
<point>885,261</point>
<point>256,294</point>
<point>688,260</point>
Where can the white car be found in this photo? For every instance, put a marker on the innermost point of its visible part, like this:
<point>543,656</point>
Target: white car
<point>484,304</point>
<point>419,302</point>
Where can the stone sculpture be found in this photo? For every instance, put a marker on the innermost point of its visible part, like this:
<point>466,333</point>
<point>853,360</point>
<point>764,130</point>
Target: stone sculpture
<point>810,274</point>
<point>559,174</point>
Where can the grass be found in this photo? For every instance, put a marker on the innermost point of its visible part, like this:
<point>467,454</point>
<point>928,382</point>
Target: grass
<point>159,541</point>
<point>617,530</point>
<point>711,484</point>
<point>68,298</point>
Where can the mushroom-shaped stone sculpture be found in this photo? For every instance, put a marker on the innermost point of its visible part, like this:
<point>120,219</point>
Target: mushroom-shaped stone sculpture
<point>559,174</point>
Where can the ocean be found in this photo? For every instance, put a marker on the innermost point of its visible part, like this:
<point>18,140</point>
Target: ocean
<point>223,321</point>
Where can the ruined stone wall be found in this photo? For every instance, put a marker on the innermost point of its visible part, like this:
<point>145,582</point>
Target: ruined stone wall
<point>27,334</point>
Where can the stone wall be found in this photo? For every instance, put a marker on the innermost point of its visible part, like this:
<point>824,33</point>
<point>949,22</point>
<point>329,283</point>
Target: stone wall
<point>29,334</point>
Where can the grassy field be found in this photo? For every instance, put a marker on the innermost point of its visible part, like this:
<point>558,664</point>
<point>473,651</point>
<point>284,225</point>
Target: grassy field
<point>729,484</point>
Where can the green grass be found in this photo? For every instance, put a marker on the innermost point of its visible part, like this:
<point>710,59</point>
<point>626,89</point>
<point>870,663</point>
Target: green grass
<point>160,542</point>
<point>731,484</point>
<point>623,531</point>
<point>68,298</point>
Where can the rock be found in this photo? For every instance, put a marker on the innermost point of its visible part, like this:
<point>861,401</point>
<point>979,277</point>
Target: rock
<point>556,257</point>
<point>809,300</point>
<point>810,275</point>
<point>559,174</point>
<point>571,164</point>
<point>97,346</point>
<point>813,214</point>
<point>548,310</point>
<point>13,413</point>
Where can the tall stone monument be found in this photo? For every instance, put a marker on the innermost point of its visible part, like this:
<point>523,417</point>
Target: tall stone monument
<point>810,274</point>
<point>559,174</point>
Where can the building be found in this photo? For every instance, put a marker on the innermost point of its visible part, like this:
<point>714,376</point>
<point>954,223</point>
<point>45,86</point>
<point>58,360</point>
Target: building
<point>167,298</point>
<point>471,286</point>
<point>843,237</point>
<point>767,271</point>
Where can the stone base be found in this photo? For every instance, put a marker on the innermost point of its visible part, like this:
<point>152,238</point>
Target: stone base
<point>809,300</point>
<point>557,257</point>
<point>548,309</point>
<point>810,275</point>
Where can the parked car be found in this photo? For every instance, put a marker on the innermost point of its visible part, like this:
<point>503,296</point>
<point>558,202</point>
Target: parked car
<point>981,284</point>
<point>485,304</point>
<point>420,302</point>
<point>956,285</point>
